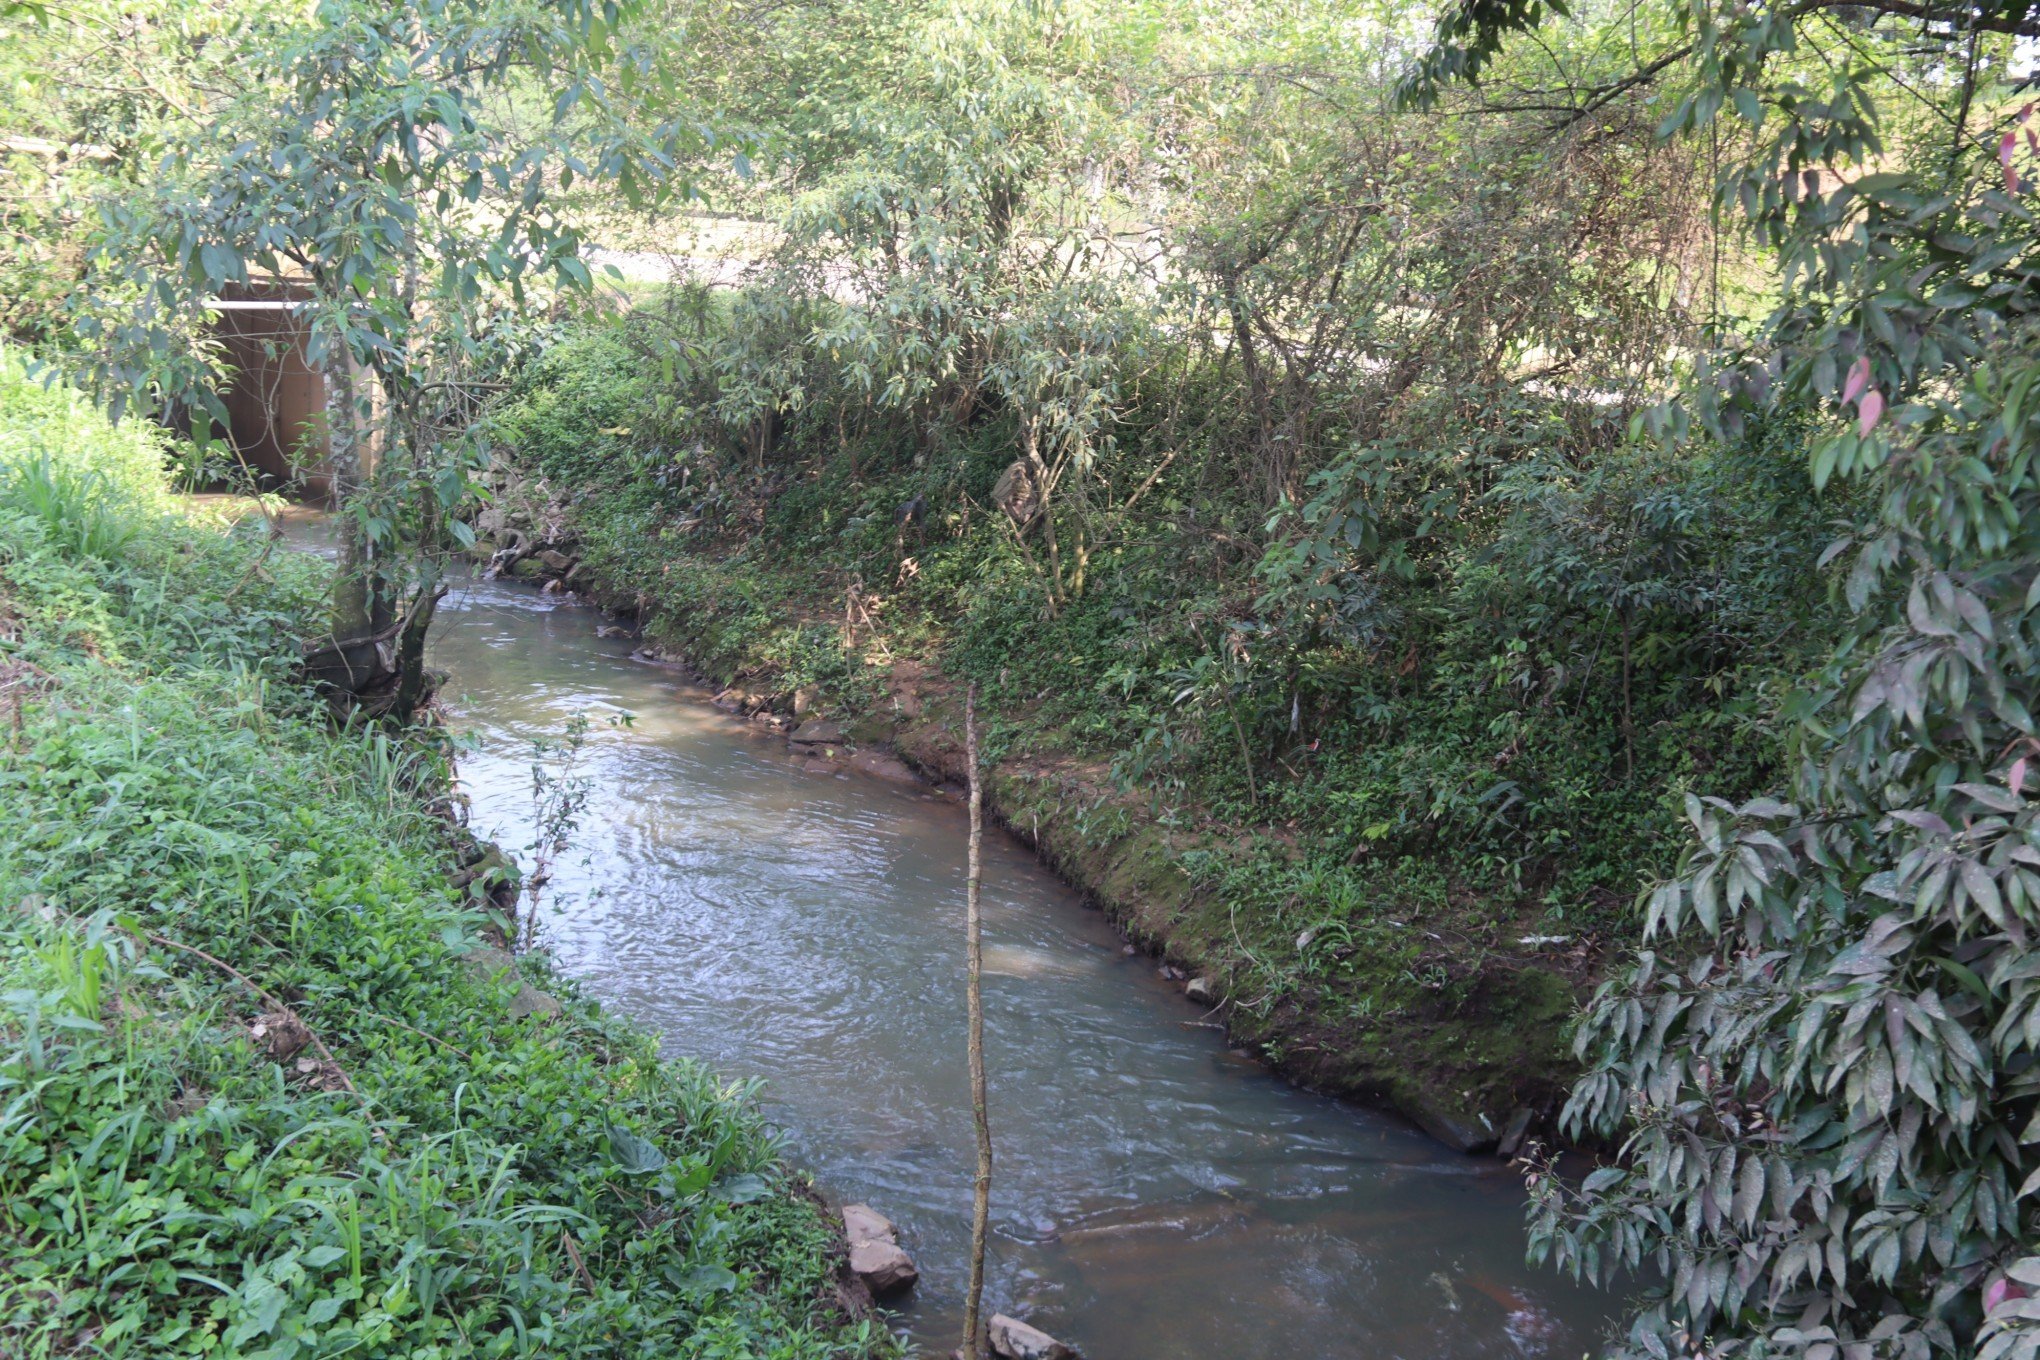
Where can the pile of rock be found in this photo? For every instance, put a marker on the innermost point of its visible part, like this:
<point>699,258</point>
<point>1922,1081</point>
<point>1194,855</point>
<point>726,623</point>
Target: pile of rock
<point>521,533</point>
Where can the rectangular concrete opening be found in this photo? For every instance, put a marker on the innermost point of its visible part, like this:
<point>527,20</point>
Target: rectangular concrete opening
<point>276,403</point>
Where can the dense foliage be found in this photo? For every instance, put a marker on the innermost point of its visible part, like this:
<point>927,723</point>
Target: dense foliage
<point>1418,480</point>
<point>1829,1105</point>
<point>1260,487</point>
<point>1436,586</point>
<point>397,176</point>
<point>454,1180</point>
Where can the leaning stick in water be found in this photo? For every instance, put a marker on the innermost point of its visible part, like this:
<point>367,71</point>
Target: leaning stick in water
<point>981,1198</point>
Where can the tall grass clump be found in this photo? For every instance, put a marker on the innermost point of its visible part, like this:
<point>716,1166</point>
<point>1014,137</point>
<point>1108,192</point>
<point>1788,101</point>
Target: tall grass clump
<point>256,1096</point>
<point>79,509</point>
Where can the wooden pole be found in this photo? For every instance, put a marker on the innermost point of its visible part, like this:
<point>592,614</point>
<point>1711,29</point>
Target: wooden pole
<point>981,1199</point>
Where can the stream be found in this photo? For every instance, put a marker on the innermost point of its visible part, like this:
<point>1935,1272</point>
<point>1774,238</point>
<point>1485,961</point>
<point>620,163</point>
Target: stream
<point>1156,1196</point>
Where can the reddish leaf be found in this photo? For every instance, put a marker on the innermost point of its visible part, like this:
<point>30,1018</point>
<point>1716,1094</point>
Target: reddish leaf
<point>2006,147</point>
<point>1869,411</point>
<point>2017,778</point>
<point>1859,378</point>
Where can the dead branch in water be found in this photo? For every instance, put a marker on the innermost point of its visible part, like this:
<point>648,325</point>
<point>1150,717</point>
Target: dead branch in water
<point>981,1198</point>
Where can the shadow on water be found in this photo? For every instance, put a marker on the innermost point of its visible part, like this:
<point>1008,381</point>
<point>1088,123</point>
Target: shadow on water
<point>1155,1194</point>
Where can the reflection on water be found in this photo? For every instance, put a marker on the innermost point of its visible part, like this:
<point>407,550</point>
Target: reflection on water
<point>1155,1196</point>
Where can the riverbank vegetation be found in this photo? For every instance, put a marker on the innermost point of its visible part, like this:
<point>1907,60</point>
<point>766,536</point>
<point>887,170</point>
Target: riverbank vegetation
<point>1451,517</point>
<point>1418,510</point>
<point>255,1097</point>
<point>1262,445</point>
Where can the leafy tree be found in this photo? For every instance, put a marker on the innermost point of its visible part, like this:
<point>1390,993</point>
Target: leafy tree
<point>1823,1071</point>
<point>384,164</point>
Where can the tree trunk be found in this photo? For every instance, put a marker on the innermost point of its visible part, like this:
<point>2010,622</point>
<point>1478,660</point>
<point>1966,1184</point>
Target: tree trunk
<point>348,459</point>
<point>412,689</point>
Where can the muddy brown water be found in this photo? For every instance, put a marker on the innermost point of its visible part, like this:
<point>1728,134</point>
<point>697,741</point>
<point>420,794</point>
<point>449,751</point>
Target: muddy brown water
<point>1156,1196</point>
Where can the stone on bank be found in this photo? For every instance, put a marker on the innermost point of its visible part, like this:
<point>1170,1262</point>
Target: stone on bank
<point>876,1256</point>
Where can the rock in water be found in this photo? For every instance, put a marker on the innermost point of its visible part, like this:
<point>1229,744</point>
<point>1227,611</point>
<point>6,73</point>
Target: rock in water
<point>1201,991</point>
<point>862,1223</point>
<point>884,1268</point>
<point>1515,1132</point>
<point>1015,1340</point>
<point>818,732</point>
<point>876,1256</point>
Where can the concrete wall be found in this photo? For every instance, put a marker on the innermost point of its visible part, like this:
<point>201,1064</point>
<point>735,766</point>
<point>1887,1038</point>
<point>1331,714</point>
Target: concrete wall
<point>276,403</point>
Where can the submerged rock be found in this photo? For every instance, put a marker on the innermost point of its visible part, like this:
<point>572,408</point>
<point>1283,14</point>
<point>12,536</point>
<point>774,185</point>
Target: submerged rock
<point>876,1256</point>
<point>1013,1339</point>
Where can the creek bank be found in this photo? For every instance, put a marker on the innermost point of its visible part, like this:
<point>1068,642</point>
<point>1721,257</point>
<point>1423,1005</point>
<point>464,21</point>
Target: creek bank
<point>255,942</point>
<point>869,1264</point>
<point>1483,1076</point>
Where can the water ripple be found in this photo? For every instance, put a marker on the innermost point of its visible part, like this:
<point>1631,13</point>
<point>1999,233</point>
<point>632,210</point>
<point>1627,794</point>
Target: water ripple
<point>1154,1196</point>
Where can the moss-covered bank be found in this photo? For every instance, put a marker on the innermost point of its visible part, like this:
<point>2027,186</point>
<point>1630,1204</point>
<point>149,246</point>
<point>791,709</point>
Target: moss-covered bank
<point>255,1099</point>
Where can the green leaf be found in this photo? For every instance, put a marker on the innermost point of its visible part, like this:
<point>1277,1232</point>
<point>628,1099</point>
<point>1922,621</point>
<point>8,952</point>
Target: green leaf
<point>703,1281</point>
<point>1967,977</point>
<point>220,263</point>
<point>634,1156</point>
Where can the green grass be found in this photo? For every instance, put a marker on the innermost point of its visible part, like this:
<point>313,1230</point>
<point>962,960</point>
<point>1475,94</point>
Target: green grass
<point>489,1186</point>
